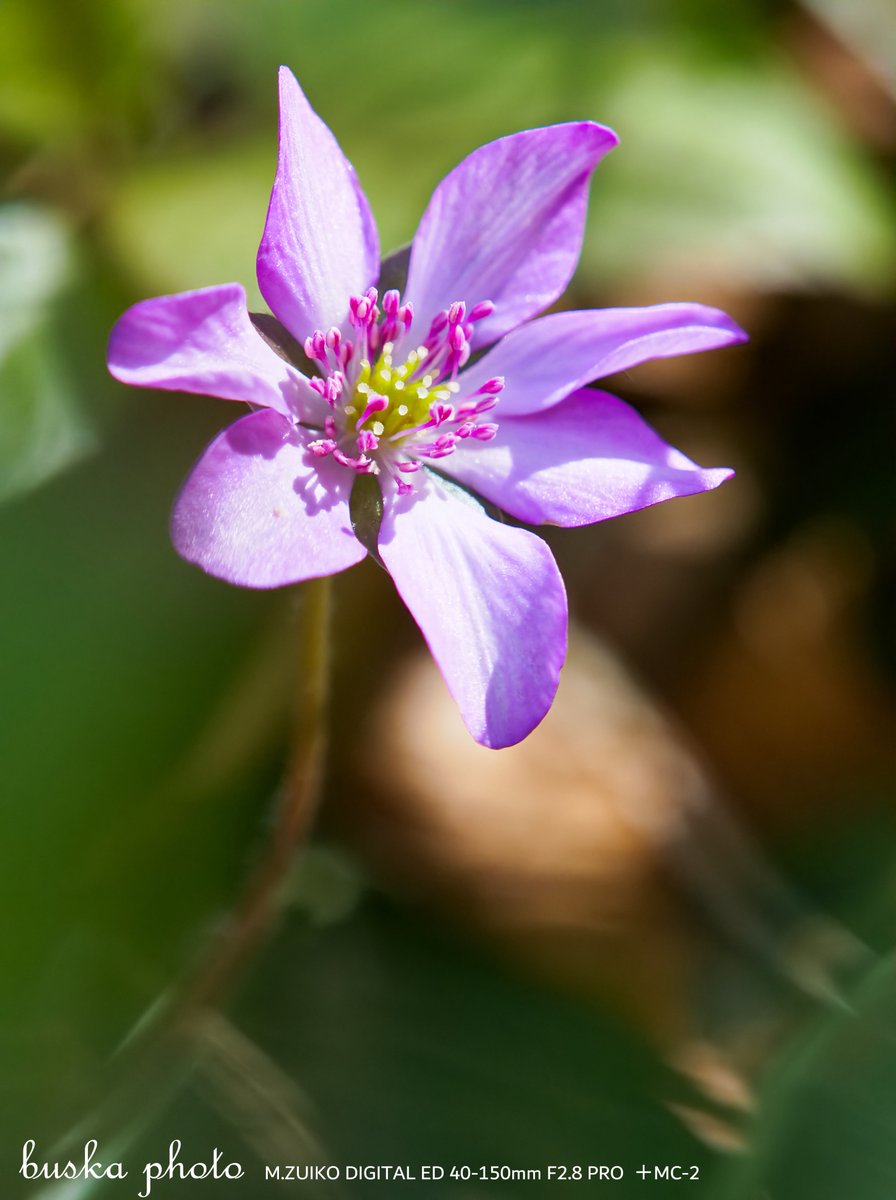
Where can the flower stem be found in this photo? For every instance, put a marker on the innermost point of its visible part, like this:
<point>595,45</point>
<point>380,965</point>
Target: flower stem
<point>161,1051</point>
<point>251,921</point>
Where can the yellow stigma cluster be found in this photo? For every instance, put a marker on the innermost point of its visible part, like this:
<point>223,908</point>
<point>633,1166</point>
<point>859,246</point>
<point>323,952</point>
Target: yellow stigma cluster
<point>408,398</point>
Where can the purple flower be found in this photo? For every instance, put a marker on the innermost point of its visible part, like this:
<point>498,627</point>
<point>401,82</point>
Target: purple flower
<point>398,395</point>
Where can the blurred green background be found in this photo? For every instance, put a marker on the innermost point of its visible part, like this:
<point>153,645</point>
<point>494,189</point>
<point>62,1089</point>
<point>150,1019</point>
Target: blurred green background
<point>395,1018</point>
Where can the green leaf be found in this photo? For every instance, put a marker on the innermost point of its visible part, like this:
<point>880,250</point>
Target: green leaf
<point>826,1128</point>
<point>42,428</point>
<point>734,174</point>
<point>35,265</point>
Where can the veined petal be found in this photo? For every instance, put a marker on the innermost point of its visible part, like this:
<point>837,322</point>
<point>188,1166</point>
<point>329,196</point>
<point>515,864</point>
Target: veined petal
<point>259,511</point>
<point>320,243</point>
<point>488,599</point>
<point>506,225</point>
<point>588,458</point>
<point>204,342</point>
<point>551,357</point>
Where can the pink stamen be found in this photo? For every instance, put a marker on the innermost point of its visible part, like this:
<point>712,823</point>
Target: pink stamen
<point>361,309</point>
<point>316,347</point>
<point>367,441</point>
<point>440,448</point>
<point>391,303</point>
<point>362,464</point>
<point>333,389</point>
<point>322,447</point>
<point>391,308</point>
<point>440,413</point>
<point>375,404</point>
<point>398,320</point>
<point>484,308</point>
<point>439,322</point>
<point>485,433</point>
<point>473,408</point>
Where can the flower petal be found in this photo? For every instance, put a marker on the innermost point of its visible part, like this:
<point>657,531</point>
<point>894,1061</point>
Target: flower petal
<point>551,357</point>
<point>204,342</point>
<point>320,244</point>
<point>260,511</point>
<point>489,601</point>
<point>506,225</point>
<point>588,458</point>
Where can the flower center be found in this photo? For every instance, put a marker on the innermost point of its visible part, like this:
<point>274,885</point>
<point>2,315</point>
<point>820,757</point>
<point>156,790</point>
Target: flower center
<point>391,399</point>
<point>387,416</point>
